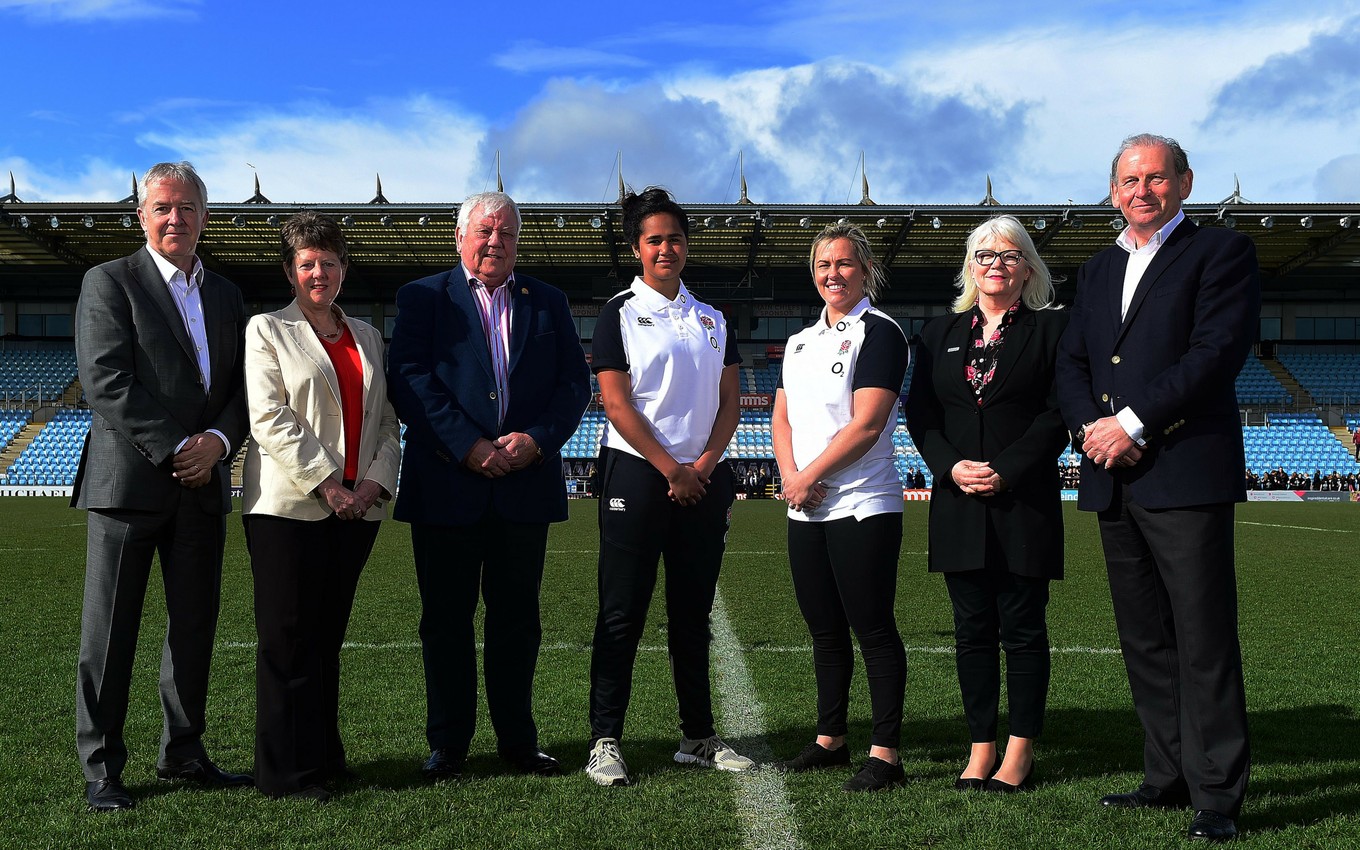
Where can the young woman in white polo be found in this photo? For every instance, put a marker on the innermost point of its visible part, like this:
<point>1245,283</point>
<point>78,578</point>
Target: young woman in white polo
<point>668,378</point>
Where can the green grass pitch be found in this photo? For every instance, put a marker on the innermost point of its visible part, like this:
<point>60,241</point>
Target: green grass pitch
<point>1297,569</point>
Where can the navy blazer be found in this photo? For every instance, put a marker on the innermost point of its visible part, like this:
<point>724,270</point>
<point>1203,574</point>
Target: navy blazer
<point>1017,429</point>
<point>441,383</point>
<point>1173,359</point>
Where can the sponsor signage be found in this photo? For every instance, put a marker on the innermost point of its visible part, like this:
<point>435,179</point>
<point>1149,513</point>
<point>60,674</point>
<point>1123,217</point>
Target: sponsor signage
<point>749,400</point>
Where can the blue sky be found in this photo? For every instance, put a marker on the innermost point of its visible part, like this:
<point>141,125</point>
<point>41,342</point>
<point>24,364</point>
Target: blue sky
<point>318,97</point>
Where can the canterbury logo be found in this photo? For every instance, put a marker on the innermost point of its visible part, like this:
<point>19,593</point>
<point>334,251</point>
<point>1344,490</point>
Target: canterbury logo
<point>645,321</point>
<point>616,505</point>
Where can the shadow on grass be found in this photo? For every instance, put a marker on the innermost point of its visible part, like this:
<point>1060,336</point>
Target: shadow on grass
<point>1306,759</point>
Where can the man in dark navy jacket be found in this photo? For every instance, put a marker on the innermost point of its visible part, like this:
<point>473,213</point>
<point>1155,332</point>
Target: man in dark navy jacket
<point>1161,326</point>
<point>487,372</point>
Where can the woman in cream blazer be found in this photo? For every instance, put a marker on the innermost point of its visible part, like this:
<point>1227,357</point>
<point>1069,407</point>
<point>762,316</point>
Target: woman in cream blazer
<point>322,461</point>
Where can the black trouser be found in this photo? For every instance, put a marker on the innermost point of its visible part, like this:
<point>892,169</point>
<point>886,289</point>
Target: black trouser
<point>638,525</point>
<point>1174,589</point>
<point>504,560</point>
<point>306,574</point>
<point>845,578</point>
<point>994,608</point>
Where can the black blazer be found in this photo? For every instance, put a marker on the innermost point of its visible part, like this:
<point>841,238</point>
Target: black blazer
<point>440,380</point>
<point>1174,359</point>
<point>1017,429</point>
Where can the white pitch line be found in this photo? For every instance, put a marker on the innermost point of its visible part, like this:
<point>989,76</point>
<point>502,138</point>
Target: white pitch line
<point>758,650</point>
<point>762,800</point>
<point>1298,527</point>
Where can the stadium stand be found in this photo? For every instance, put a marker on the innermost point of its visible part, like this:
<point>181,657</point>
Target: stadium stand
<point>52,457</point>
<point>1256,385</point>
<point>1296,442</point>
<point>30,376</point>
<point>1329,377</point>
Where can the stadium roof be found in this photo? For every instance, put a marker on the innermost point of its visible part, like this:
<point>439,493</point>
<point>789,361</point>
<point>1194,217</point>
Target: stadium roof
<point>738,251</point>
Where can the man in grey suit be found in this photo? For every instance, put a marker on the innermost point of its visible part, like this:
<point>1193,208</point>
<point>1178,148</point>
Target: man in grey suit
<point>159,348</point>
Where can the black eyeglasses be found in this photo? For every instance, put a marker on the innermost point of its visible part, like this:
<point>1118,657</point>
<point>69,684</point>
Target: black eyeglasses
<point>1007,258</point>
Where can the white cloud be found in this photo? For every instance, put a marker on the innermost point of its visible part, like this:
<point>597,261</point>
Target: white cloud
<point>535,57</point>
<point>425,151</point>
<point>93,10</point>
<point>95,180</point>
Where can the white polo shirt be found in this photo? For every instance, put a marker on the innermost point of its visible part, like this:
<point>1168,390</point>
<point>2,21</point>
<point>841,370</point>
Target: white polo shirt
<point>823,366</point>
<point>674,353</point>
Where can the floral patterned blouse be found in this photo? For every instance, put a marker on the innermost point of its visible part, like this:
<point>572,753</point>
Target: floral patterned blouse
<point>983,353</point>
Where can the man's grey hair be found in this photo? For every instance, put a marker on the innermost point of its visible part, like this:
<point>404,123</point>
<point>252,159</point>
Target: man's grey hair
<point>1151,140</point>
<point>182,172</point>
<point>487,202</point>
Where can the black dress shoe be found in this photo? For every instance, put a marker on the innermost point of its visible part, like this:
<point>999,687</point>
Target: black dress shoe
<point>533,761</point>
<point>107,795</point>
<point>996,786</point>
<point>1148,796</point>
<point>974,783</point>
<point>203,772</point>
<point>1212,827</point>
<point>310,794</point>
<point>443,764</point>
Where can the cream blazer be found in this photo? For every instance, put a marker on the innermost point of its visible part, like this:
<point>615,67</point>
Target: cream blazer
<point>296,427</point>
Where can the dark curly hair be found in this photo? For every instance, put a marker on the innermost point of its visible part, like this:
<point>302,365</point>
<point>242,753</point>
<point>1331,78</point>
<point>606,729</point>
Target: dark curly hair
<point>652,200</point>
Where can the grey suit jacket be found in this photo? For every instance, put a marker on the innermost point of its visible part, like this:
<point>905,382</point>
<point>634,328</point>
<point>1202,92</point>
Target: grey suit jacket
<point>137,365</point>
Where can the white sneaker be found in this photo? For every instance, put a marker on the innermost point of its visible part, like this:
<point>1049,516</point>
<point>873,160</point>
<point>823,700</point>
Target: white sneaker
<point>712,752</point>
<point>606,764</point>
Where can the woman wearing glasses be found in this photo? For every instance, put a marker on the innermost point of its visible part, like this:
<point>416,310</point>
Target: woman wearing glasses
<point>983,411</point>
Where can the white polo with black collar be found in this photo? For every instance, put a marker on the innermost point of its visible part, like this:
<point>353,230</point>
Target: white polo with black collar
<point>823,366</point>
<point>674,353</point>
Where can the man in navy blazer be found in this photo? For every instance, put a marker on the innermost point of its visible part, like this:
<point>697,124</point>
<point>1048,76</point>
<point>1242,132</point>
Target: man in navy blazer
<point>486,370</point>
<point>1161,326</point>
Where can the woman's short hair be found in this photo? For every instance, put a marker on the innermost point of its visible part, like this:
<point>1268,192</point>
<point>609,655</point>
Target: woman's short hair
<point>310,229</point>
<point>650,201</point>
<point>875,278</point>
<point>1037,292</point>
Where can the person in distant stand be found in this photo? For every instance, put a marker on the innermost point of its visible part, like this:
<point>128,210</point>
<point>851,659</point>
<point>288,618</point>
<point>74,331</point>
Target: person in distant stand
<point>486,370</point>
<point>159,351</point>
<point>1162,323</point>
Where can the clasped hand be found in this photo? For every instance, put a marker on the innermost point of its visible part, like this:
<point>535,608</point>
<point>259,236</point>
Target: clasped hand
<point>1107,444</point>
<point>504,455</point>
<point>977,478</point>
<point>688,484</point>
<point>347,503</point>
<point>193,464</point>
<point>802,492</point>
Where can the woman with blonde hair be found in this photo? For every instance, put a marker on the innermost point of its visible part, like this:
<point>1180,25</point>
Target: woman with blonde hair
<point>983,411</point>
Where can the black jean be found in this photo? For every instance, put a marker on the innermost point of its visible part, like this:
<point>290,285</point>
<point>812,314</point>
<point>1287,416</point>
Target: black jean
<point>845,578</point>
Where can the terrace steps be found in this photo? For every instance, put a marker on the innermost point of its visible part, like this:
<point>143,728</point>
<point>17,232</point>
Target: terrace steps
<point>18,444</point>
<point>1290,385</point>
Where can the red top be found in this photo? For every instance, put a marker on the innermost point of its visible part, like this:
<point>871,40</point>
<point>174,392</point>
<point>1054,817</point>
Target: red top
<point>349,370</point>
